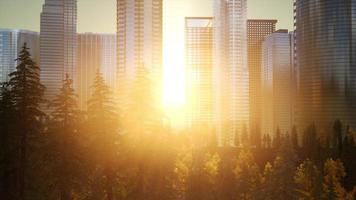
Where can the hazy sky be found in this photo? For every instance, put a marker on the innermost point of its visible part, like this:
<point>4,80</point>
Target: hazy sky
<point>100,16</point>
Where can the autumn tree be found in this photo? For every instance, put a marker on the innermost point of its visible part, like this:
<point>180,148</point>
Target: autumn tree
<point>308,179</point>
<point>334,172</point>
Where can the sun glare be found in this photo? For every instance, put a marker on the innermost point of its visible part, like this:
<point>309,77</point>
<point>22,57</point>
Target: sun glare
<point>173,83</point>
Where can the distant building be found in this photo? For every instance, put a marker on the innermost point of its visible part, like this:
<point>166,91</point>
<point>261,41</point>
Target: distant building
<point>231,75</point>
<point>199,69</point>
<point>11,43</point>
<point>96,53</point>
<point>139,43</point>
<point>257,30</point>
<point>277,83</point>
<point>326,59</point>
<point>58,43</point>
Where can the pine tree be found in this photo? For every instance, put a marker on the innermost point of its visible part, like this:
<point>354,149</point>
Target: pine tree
<point>103,123</point>
<point>247,175</point>
<point>27,93</point>
<point>278,185</point>
<point>244,136</point>
<point>337,136</point>
<point>64,140</point>
<point>294,138</point>
<point>277,140</point>
<point>310,142</point>
<point>6,141</point>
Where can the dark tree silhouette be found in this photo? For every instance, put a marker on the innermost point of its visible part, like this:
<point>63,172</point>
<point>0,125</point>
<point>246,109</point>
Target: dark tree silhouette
<point>277,140</point>
<point>337,136</point>
<point>7,153</point>
<point>27,93</point>
<point>294,138</point>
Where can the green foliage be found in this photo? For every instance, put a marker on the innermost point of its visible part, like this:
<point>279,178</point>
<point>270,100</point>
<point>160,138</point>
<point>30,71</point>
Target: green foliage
<point>130,154</point>
<point>334,172</point>
<point>248,177</point>
<point>308,181</point>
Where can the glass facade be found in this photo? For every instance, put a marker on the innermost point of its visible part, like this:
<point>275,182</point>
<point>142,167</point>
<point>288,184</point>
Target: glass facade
<point>96,52</point>
<point>326,61</point>
<point>277,84</point>
<point>257,30</point>
<point>198,54</point>
<point>11,42</point>
<point>58,43</point>
<point>139,42</point>
<point>230,70</point>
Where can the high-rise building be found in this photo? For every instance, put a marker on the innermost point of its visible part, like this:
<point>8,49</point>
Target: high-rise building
<point>11,43</point>
<point>58,43</point>
<point>139,42</point>
<point>96,53</point>
<point>257,30</point>
<point>325,32</point>
<point>231,75</point>
<point>277,83</point>
<point>199,87</point>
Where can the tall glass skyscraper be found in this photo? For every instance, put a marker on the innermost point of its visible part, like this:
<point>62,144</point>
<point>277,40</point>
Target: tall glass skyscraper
<point>326,61</point>
<point>96,53</point>
<point>199,87</point>
<point>231,75</point>
<point>257,30</point>
<point>277,84</point>
<point>11,42</point>
<point>58,43</point>
<point>139,41</point>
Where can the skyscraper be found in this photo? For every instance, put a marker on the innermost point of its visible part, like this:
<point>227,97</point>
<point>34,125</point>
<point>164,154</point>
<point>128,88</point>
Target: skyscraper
<point>277,83</point>
<point>198,53</point>
<point>326,60</point>
<point>11,42</point>
<point>231,76</point>
<point>257,30</point>
<point>96,53</point>
<point>58,43</point>
<point>139,41</point>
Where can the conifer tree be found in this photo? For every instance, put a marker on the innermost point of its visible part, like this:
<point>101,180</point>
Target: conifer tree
<point>247,175</point>
<point>103,123</point>
<point>278,184</point>
<point>27,94</point>
<point>277,140</point>
<point>244,136</point>
<point>64,140</point>
<point>337,136</point>
<point>6,141</point>
<point>294,138</point>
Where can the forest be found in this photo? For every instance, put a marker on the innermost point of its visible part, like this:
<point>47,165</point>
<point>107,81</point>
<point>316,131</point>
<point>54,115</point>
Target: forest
<point>51,150</point>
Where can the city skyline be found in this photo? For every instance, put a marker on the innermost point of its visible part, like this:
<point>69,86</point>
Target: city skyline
<point>174,12</point>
